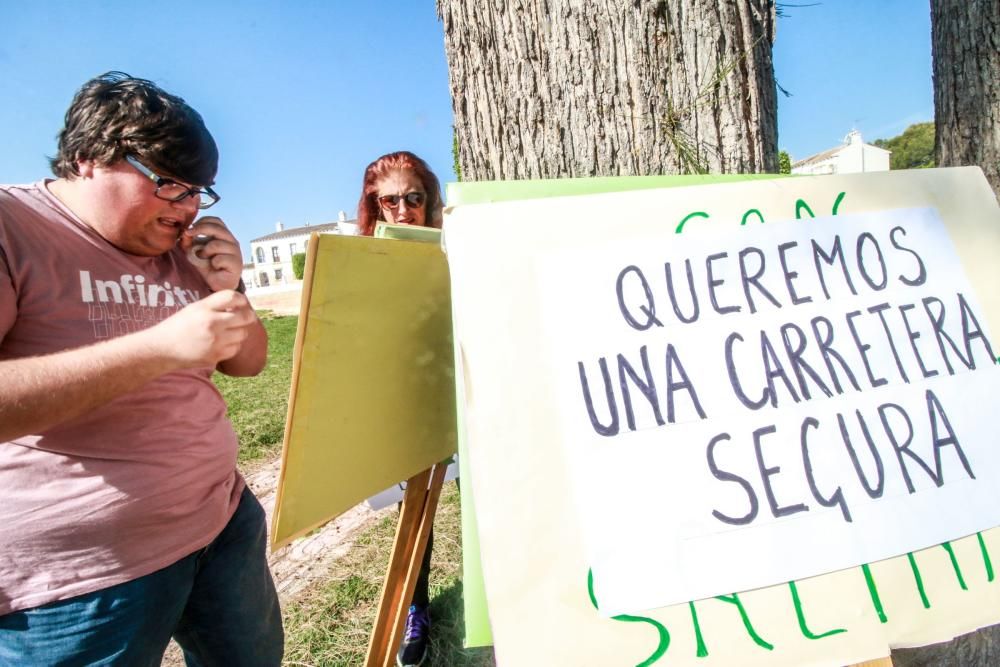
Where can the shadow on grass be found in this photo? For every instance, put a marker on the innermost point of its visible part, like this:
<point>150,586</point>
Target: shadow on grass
<point>448,632</point>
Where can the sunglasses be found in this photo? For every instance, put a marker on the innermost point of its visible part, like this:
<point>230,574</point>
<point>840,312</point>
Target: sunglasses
<point>413,199</point>
<point>170,190</point>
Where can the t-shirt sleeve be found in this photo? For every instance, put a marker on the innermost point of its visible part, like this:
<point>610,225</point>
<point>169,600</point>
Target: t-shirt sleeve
<point>8,299</point>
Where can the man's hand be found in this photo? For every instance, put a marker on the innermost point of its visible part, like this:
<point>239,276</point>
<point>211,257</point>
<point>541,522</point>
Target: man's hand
<point>206,332</point>
<point>218,259</point>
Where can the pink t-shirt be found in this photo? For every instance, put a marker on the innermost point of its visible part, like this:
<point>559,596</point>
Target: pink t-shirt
<point>136,484</point>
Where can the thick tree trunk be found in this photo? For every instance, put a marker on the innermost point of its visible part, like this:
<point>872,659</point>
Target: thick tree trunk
<point>555,88</point>
<point>965,35</point>
<point>976,649</point>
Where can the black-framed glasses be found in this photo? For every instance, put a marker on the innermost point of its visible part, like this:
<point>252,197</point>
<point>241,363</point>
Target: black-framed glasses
<point>170,190</point>
<point>413,199</point>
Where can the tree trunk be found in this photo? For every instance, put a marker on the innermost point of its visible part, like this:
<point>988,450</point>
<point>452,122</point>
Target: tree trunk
<point>976,649</point>
<point>965,36</point>
<point>559,88</point>
<point>965,40</point>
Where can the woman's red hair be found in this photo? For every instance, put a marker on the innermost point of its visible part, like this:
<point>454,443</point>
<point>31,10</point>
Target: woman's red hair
<point>369,212</point>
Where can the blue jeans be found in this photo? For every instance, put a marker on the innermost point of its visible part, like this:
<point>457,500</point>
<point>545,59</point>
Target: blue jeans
<point>219,603</point>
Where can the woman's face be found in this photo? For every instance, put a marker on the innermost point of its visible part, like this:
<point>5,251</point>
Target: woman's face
<point>402,198</point>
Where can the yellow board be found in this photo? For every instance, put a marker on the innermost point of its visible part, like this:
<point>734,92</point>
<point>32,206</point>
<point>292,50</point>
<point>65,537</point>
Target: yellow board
<point>372,398</point>
<point>542,603</point>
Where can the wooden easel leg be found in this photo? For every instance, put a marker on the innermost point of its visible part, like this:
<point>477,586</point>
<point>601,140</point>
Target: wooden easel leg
<point>415,521</point>
<point>392,587</point>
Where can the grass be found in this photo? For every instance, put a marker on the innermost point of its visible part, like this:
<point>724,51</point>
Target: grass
<point>329,624</point>
<point>258,405</point>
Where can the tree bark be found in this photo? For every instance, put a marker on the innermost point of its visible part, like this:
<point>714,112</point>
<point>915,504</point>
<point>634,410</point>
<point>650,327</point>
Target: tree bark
<point>560,88</point>
<point>976,649</point>
<point>965,41</point>
<point>965,37</point>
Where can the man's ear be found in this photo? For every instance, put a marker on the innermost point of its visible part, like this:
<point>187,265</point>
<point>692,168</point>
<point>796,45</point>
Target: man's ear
<point>86,168</point>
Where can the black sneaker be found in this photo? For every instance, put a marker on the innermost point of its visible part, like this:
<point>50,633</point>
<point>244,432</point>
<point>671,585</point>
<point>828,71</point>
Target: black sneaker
<point>413,650</point>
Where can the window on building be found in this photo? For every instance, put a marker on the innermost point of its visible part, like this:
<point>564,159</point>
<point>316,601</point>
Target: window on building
<point>277,275</point>
<point>292,248</point>
<point>274,254</point>
<point>260,255</point>
<point>264,282</point>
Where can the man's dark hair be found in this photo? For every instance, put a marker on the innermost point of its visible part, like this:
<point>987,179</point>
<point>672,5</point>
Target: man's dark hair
<point>114,115</point>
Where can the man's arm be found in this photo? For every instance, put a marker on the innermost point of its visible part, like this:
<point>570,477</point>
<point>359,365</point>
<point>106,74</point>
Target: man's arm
<point>38,393</point>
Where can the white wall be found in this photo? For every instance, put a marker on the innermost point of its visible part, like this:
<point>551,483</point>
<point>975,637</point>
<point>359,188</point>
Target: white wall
<point>858,157</point>
<point>278,272</point>
<point>855,156</point>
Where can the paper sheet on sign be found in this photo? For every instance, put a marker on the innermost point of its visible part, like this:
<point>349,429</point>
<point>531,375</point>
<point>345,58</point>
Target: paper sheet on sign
<point>646,496</point>
<point>542,602</point>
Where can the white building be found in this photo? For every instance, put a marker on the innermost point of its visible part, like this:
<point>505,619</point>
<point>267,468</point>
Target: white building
<point>271,255</point>
<point>248,274</point>
<point>851,157</point>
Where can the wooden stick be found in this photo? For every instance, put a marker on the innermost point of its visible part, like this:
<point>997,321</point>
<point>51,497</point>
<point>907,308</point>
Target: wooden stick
<point>406,529</point>
<point>412,573</point>
<point>881,662</point>
<point>415,520</point>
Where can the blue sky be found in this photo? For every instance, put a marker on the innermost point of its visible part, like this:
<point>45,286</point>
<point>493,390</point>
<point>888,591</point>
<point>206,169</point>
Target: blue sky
<point>302,95</point>
<point>863,64</point>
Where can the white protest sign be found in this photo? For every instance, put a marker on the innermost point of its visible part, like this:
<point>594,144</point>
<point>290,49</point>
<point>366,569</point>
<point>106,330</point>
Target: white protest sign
<point>740,411</point>
<point>546,603</point>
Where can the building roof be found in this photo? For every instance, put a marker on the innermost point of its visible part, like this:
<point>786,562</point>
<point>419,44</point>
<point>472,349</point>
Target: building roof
<point>300,231</point>
<point>818,157</point>
<point>853,137</point>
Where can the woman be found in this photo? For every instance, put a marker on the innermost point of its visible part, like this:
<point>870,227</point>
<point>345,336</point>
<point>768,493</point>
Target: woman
<point>400,188</point>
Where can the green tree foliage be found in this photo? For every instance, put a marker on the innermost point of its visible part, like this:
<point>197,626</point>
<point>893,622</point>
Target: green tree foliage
<point>299,265</point>
<point>784,163</point>
<point>913,149</point>
<point>457,164</point>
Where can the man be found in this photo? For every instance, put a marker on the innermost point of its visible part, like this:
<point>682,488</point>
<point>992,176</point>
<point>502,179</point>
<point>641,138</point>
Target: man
<point>123,519</point>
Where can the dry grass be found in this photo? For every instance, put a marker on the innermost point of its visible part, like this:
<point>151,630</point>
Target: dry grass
<point>329,625</point>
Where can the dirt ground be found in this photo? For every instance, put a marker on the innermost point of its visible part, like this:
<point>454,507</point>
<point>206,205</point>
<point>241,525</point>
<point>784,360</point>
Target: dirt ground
<point>306,560</point>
